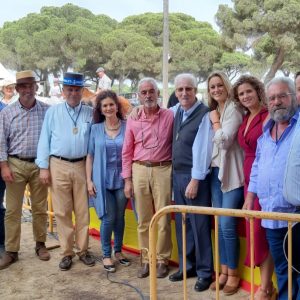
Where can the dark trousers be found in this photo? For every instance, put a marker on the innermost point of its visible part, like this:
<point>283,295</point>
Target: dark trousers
<point>275,239</point>
<point>198,227</point>
<point>2,212</point>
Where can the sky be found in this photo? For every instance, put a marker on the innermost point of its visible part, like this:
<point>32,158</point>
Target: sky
<point>201,10</point>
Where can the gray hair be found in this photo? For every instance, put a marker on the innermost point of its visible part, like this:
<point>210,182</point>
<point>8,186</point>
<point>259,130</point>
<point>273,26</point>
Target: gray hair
<point>148,80</point>
<point>285,80</point>
<point>187,76</point>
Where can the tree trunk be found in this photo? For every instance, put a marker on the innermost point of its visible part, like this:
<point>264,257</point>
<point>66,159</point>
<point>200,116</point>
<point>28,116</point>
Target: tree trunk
<point>276,65</point>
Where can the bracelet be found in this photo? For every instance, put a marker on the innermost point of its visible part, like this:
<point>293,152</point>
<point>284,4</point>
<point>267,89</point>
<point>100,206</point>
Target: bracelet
<point>216,122</point>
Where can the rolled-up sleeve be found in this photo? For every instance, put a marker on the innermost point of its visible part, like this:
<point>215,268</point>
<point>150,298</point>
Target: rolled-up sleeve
<point>202,149</point>
<point>127,151</point>
<point>225,136</point>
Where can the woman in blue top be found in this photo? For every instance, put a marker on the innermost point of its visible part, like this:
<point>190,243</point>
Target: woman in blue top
<point>104,181</point>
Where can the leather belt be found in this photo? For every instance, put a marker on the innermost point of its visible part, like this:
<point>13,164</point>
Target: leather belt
<point>151,164</point>
<point>72,160</point>
<point>28,159</point>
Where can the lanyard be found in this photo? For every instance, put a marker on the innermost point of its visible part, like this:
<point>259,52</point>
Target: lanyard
<point>75,129</point>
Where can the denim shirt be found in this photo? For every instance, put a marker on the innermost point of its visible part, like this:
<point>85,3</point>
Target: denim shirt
<point>291,185</point>
<point>266,179</point>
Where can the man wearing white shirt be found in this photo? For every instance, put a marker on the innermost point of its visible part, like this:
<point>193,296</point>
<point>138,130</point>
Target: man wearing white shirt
<point>104,81</point>
<point>61,156</point>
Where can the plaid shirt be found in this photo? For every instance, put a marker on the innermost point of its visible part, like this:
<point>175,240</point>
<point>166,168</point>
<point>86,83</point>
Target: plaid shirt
<point>20,129</point>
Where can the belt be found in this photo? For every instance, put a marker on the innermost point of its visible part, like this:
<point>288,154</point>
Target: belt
<point>72,160</point>
<point>28,159</point>
<point>151,164</point>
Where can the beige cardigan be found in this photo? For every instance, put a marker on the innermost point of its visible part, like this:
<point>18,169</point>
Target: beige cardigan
<point>231,157</point>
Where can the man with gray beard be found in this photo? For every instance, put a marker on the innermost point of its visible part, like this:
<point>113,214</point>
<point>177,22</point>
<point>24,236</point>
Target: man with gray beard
<point>266,180</point>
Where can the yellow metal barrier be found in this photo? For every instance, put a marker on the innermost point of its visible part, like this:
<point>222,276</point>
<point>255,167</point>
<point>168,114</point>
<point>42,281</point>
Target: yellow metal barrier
<point>216,212</point>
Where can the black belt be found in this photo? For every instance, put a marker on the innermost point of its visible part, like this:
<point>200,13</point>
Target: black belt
<point>28,159</point>
<point>72,160</point>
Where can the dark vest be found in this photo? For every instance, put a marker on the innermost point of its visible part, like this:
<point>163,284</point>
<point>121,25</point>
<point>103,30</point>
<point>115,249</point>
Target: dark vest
<point>183,138</point>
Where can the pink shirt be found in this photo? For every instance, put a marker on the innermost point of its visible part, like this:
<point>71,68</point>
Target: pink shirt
<point>147,139</point>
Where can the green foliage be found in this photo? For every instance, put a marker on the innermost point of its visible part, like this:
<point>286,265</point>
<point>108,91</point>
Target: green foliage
<point>269,28</point>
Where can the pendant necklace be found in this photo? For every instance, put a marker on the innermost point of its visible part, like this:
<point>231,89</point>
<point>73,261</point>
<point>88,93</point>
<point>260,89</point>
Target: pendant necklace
<point>75,128</point>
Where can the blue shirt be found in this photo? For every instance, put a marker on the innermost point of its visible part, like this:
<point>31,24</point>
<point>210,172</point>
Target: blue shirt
<point>202,146</point>
<point>114,180</point>
<point>98,150</point>
<point>266,179</point>
<point>57,135</point>
<point>291,185</point>
<point>2,105</point>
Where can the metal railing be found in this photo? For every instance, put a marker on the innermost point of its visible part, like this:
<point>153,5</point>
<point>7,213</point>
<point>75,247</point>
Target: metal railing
<point>216,212</point>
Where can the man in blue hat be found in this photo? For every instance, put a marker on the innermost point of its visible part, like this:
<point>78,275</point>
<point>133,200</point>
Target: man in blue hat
<point>61,154</point>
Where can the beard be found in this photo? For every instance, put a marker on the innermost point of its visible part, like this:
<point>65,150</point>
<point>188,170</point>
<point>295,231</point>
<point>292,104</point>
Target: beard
<point>282,114</point>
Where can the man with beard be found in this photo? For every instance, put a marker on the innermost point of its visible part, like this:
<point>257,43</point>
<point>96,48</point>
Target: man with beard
<point>266,180</point>
<point>146,159</point>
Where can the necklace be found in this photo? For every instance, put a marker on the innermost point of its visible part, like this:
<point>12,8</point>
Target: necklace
<point>75,128</point>
<point>115,128</point>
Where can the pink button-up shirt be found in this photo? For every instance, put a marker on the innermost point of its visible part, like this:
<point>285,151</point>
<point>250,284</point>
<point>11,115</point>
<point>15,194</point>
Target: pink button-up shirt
<point>147,139</point>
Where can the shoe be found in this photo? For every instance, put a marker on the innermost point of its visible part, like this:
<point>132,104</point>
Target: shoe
<point>122,259</point>
<point>202,284</point>
<point>230,290</point>
<point>41,251</point>
<point>7,259</point>
<point>162,270</point>
<point>213,286</point>
<point>269,294</point>
<point>66,263</point>
<point>109,268</point>
<point>178,276</point>
<point>87,259</point>
<point>143,272</point>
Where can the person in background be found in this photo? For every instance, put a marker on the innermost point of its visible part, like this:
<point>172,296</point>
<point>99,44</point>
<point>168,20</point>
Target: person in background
<point>103,172</point>
<point>55,91</point>
<point>8,91</point>
<point>297,84</point>
<point>61,156</point>
<point>20,127</point>
<point>173,100</point>
<point>191,157</point>
<point>249,94</point>
<point>267,180</point>
<point>147,166</point>
<point>104,81</point>
<point>227,177</point>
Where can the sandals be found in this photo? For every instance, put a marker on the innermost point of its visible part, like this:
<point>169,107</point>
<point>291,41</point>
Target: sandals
<point>122,259</point>
<point>269,294</point>
<point>229,289</point>
<point>213,286</point>
<point>110,267</point>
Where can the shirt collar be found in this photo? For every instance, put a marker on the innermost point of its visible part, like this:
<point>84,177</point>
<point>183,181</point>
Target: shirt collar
<point>73,109</point>
<point>143,115</point>
<point>28,109</point>
<point>190,110</point>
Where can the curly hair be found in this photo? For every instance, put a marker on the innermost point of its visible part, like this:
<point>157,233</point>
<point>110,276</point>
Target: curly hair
<point>98,117</point>
<point>257,85</point>
<point>212,103</point>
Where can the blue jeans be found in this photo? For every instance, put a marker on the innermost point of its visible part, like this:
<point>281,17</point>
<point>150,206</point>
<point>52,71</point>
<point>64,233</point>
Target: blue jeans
<point>275,239</point>
<point>113,221</point>
<point>229,246</point>
<point>2,212</point>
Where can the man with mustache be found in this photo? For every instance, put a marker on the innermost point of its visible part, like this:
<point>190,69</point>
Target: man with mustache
<point>146,168</point>
<point>266,180</point>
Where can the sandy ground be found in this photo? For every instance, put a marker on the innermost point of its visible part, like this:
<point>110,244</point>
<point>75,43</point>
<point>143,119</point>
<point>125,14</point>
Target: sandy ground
<point>31,278</point>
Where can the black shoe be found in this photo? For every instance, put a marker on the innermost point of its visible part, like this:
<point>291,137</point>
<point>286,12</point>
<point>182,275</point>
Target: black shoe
<point>65,263</point>
<point>202,284</point>
<point>87,259</point>
<point>178,276</point>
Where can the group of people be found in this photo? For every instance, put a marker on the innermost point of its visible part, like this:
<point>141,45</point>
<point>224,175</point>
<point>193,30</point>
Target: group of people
<point>237,152</point>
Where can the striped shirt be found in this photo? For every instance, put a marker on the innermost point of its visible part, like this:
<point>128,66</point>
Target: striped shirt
<point>20,129</point>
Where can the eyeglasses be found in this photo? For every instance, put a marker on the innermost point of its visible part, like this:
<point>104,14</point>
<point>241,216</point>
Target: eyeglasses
<point>154,136</point>
<point>187,89</point>
<point>280,97</point>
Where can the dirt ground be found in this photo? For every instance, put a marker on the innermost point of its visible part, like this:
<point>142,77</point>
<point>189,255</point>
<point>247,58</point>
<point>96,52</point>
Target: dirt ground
<point>31,278</point>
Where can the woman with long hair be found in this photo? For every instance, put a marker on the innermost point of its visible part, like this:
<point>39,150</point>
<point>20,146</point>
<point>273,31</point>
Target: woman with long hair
<point>227,177</point>
<point>249,94</point>
<point>104,181</point>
